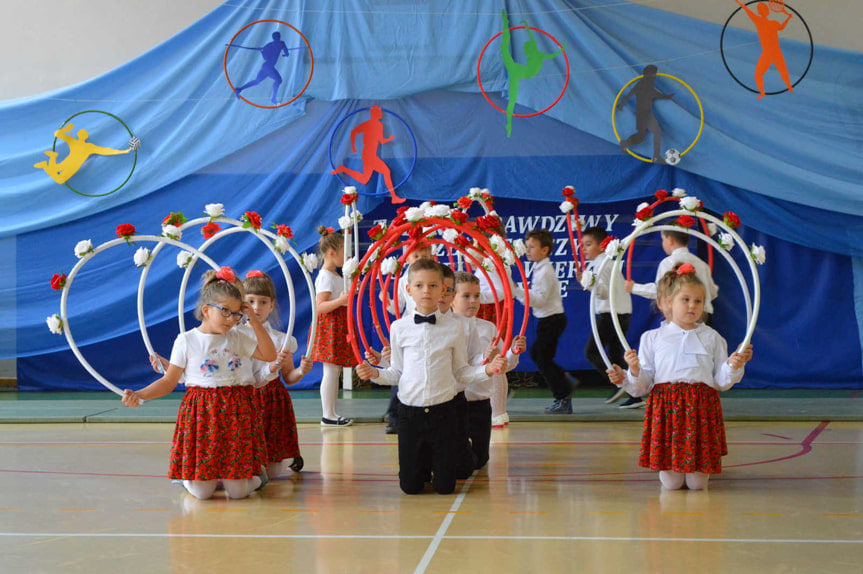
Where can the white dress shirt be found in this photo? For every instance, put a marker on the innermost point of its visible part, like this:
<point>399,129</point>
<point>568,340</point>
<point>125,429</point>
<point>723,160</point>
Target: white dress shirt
<point>261,369</point>
<point>214,360</point>
<point>671,354</point>
<point>680,256</point>
<point>486,295</point>
<point>429,362</point>
<point>545,299</point>
<point>622,299</point>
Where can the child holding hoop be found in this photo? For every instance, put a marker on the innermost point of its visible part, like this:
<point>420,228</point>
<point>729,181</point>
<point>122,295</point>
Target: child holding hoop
<point>331,341</point>
<point>218,434</point>
<point>276,407</point>
<point>683,365</point>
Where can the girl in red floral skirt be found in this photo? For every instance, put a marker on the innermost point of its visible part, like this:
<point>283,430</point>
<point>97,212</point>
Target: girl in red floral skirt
<point>331,339</point>
<point>218,433</point>
<point>276,407</point>
<point>682,364</point>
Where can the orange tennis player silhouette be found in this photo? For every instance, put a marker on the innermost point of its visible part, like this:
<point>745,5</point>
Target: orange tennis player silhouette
<point>372,131</point>
<point>79,151</point>
<point>771,52</point>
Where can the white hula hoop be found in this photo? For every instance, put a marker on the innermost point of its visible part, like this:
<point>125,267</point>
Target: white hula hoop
<point>67,330</point>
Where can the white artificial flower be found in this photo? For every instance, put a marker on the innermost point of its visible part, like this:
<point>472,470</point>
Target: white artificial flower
<point>638,224</point>
<point>678,192</point>
<point>426,205</point>
<point>475,193</point>
<point>281,243</point>
<point>758,254</point>
<point>450,234</point>
<point>214,209</point>
<point>519,247</point>
<point>488,264</point>
<point>349,267</point>
<point>345,221</point>
<point>726,241</point>
<point>55,324</point>
<point>612,248</point>
<point>414,214</point>
<point>310,261</point>
<point>566,206</point>
<point>184,258</point>
<point>142,257</point>
<point>588,280</point>
<point>350,190</point>
<point>690,203</point>
<point>498,243</point>
<point>83,248</point>
<point>357,216</point>
<point>712,229</point>
<point>642,205</point>
<point>439,210</point>
<point>172,231</point>
<point>389,265</point>
<point>508,258</point>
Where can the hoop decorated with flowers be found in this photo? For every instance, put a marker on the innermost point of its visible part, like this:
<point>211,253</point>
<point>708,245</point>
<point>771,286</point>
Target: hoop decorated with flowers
<point>569,206</point>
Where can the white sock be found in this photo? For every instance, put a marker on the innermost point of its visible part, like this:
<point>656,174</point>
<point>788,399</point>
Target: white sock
<point>201,489</point>
<point>499,389</point>
<point>241,488</point>
<point>330,390</point>
<point>696,480</point>
<point>671,480</point>
<point>274,469</point>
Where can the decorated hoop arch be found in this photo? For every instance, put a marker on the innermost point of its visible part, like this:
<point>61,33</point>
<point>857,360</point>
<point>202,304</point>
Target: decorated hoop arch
<point>569,207</point>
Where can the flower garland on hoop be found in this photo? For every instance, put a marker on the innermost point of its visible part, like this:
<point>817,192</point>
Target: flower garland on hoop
<point>569,207</point>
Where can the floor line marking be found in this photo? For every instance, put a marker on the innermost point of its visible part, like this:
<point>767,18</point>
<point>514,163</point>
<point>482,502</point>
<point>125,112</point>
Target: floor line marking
<point>441,532</point>
<point>760,514</point>
<point>844,515</point>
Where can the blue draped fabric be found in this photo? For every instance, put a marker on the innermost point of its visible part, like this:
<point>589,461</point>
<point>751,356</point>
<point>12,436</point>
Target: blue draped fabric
<point>788,164</point>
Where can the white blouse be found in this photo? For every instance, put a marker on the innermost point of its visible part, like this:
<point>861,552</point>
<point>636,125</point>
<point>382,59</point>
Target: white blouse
<point>261,369</point>
<point>671,354</point>
<point>214,360</point>
<point>329,282</point>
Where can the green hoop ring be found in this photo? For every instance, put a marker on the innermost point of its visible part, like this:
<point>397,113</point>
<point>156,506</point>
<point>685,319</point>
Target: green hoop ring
<point>134,162</point>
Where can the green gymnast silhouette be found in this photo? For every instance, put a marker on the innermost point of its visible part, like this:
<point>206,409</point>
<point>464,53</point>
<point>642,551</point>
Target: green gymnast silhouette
<point>517,72</point>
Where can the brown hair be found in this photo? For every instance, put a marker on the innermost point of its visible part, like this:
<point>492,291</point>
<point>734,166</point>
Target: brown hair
<point>329,240</point>
<point>543,236</point>
<point>263,287</point>
<point>678,237</point>
<point>597,233</point>
<point>465,277</point>
<point>677,280</point>
<point>215,290</point>
<point>447,272</point>
<point>426,264</point>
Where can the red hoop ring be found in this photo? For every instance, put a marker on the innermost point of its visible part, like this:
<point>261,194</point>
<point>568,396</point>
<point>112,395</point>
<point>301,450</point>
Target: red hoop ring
<point>488,99</point>
<point>311,70</point>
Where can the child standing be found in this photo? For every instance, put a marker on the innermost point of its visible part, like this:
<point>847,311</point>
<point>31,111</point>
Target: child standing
<point>276,407</point>
<point>429,362</point>
<point>591,240</point>
<point>331,341</point>
<point>547,306</point>
<point>683,365</point>
<point>218,434</point>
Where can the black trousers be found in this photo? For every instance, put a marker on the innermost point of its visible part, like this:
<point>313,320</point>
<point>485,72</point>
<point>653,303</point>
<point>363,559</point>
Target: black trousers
<point>608,337</point>
<point>465,460</point>
<point>428,438</point>
<point>393,407</point>
<point>548,332</point>
<point>479,429</point>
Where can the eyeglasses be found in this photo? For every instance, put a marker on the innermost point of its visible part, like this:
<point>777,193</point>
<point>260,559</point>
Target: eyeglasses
<point>226,313</point>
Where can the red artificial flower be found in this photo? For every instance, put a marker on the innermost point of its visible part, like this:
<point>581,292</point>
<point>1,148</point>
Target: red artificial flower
<point>464,202</point>
<point>376,232</point>
<point>731,220</point>
<point>432,202</point>
<point>685,269</point>
<point>462,241</point>
<point>568,191</point>
<point>686,221</point>
<point>330,230</point>
<point>125,230</point>
<point>175,218</point>
<point>458,216</point>
<point>487,196</point>
<point>252,219</point>
<point>661,194</point>
<point>210,229</point>
<point>284,230</point>
<point>644,214</point>
<point>226,274</point>
<point>401,210</point>
<point>608,239</point>
<point>488,222</point>
<point>254,273</point>
<point>58,281</point>
<point>398,220</point>
<point>415,232</point>
<point>349,198</point>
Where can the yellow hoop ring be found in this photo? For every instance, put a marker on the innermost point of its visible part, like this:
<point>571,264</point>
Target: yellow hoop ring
<point>691,91</point>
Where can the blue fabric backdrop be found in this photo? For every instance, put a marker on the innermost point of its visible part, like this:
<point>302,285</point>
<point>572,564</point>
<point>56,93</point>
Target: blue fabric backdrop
<point>788,165</point>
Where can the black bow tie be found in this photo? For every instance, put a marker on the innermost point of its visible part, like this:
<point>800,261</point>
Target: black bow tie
<point>431,319</point>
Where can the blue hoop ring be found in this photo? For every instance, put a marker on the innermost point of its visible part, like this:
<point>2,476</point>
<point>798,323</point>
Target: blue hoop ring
<point>407,127</point>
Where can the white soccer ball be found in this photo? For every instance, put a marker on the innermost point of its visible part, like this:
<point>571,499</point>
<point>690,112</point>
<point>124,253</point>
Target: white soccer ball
<point>672,156</point>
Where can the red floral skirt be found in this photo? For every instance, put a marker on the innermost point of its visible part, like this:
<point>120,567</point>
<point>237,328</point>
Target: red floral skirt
<point>331,339</point>
<point>278,420</point>
<point>683,429</point>
<point>218,435</point>
<point>487,312</point>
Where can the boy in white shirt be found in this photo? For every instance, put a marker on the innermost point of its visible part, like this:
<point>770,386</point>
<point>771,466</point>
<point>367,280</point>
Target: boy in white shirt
<point>429,362</point>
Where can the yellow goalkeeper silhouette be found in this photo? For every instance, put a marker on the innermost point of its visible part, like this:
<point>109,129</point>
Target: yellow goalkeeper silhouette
<point>79,151</point>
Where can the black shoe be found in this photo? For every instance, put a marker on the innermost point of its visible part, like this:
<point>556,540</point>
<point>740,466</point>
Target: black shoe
<point>391,429</point>
<point>560,407</point>
<point>339,422</point>
<point>298,464</point>
<point>632,403</point>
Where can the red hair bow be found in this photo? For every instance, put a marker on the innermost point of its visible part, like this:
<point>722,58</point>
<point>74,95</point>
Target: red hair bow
<point>685,269</point>
<point>226,274</point>
<point>254,273</point>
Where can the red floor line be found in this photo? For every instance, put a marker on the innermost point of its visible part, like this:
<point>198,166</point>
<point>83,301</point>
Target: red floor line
<point>805,448</point>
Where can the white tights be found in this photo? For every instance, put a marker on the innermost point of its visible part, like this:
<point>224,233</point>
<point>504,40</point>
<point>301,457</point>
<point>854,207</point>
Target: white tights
<point>274,469</point>
<point>330,390</point>
<point>674,480</point>
<point>499,389</point>
<point>204,489</point>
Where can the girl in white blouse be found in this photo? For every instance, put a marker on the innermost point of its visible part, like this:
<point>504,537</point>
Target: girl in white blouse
<point>682,364</point>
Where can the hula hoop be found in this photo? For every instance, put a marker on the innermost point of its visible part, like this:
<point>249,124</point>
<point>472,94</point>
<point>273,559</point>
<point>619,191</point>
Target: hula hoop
<point>691,91</point>
<point>134,161</point>
<point>67,330</point>
<point>577,253</point>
